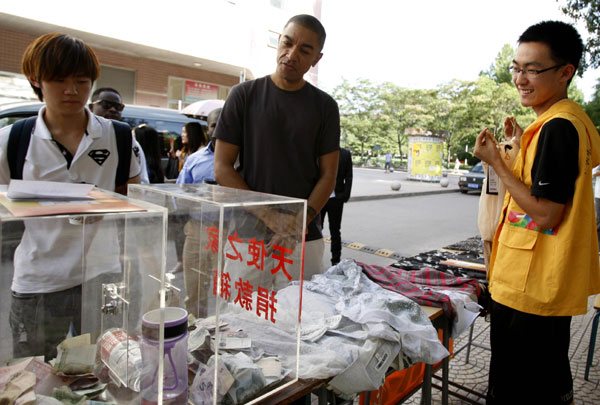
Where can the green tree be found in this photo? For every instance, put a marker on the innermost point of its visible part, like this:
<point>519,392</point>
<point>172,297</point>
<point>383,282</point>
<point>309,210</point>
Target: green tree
<point>575,93</point>
<point>593,107</point>
<point>499,69</point>
<point>452,113</point>
<point>359,105</point>
<point>588,11</point>
<point>403,108</point>
<point>471,106</point>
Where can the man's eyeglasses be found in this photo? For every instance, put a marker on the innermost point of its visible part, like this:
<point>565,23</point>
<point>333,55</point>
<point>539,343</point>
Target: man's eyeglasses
<point>107,105</point>
<point>530,73</point>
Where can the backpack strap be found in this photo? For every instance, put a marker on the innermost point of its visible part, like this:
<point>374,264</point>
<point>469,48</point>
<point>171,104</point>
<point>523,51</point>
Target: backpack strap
<point>124,144</point>
<point>18,144</point>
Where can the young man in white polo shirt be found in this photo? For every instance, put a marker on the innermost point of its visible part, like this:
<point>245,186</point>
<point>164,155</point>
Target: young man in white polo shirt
<point>68,144</point>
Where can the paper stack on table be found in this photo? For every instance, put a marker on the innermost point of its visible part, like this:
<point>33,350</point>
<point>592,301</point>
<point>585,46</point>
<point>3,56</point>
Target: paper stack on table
<point>30,189</point>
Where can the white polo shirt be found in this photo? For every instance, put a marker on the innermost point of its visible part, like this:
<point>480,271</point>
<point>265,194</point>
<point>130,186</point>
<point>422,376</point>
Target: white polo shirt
<point>52,254</point>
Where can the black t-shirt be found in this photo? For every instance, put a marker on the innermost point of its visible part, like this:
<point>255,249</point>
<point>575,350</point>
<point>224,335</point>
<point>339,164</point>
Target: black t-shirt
<point>281,135</point>
<point>556,163</point>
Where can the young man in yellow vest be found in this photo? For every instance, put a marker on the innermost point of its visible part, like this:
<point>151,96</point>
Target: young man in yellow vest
<point>544,261</point>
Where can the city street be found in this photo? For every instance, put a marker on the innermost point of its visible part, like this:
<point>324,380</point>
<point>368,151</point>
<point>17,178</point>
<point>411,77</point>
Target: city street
<point>408,225</point>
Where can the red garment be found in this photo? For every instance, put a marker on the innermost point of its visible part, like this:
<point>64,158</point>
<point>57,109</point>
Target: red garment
<point>421,285</point>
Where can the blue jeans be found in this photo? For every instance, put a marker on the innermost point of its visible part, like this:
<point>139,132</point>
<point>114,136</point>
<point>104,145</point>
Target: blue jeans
<point>40,321</point>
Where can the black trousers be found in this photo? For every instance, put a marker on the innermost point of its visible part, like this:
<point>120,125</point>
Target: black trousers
<point>530,358</point>
<point>334,209</point>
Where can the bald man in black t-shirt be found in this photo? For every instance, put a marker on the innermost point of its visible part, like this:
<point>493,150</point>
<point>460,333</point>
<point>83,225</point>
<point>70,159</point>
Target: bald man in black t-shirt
<point>285,132</point>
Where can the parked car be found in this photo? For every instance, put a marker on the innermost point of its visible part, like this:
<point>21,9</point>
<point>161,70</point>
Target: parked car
<point>473,180</point>
<point>167,122</point>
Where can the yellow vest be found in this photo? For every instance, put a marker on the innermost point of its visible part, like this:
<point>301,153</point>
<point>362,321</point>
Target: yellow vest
<point>549,272</point>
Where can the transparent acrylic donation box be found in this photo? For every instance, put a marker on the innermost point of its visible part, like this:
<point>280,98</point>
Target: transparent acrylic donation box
<point>234,263</point>
<point>76,279</point>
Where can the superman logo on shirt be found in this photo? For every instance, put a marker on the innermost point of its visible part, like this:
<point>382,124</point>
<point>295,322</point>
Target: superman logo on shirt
<point>99,155</point>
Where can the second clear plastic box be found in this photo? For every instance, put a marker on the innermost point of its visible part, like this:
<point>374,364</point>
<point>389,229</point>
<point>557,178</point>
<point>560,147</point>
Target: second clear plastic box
<point>242,256</point>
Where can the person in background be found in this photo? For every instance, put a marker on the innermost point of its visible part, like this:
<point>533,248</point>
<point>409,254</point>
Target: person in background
<point>200,165</point>
<point>286,134</point>
<point>193,138</point>
<point>148,139</point>
<point>107,102</point>
<point>544,262</point>
<point>596,175</point>
<point>492,194</point>
<point>197,261</point>
<point>388,161</point>
<point>68,144</point>
<point>335,205</point>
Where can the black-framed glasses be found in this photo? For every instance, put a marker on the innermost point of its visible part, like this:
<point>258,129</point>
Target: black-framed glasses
<point>531,72</point>
<point>107,105</point>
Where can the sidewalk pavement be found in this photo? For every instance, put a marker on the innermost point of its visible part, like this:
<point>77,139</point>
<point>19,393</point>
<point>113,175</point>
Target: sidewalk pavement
<point>473,376</point>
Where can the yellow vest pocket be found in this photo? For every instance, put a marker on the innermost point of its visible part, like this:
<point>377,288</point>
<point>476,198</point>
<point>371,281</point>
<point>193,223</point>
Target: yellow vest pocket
<point>513,257</point>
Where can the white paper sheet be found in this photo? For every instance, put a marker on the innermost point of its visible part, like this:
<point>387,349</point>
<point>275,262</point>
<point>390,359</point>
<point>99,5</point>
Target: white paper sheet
<point>31,189</point>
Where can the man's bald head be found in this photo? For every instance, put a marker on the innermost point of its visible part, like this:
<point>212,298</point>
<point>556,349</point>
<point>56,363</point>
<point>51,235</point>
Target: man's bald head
<point>211,122</point>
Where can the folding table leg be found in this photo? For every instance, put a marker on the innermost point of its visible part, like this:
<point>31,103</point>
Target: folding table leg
<point>592,345</point>
<point>470,341</point>
<point>426,387</point>
<point>445,363</point>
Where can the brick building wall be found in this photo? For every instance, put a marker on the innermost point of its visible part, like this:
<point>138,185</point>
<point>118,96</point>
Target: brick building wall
<point>152,76</point>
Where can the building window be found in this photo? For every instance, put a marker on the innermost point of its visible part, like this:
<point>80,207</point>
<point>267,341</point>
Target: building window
<point>122,80</point>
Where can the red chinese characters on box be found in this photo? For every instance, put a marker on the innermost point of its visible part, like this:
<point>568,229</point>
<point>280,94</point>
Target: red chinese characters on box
<point>253,256</point>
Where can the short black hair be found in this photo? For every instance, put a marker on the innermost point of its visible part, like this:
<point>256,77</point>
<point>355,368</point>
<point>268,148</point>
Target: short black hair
<point>216,111</point>
<point>97,92</point>
<point>563,40</point>
<point>312,23</point>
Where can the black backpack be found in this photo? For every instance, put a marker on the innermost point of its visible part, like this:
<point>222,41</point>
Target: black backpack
<point>20,135</point>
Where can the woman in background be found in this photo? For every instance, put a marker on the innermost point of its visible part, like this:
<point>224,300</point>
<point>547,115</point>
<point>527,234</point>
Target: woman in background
<point>193,138</point>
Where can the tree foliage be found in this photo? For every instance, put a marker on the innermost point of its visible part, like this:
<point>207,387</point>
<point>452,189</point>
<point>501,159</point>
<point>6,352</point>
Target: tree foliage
<point>593,107</point>
<point>375,117</point>
<point>588,11</point>
<point>499,70</point>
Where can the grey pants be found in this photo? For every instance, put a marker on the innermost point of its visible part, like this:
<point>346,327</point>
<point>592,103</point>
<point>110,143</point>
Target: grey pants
<point>39,322</point>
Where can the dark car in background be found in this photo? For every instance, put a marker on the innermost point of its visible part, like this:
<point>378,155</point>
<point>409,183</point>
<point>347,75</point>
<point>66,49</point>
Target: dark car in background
<point>473,180</point>
<point>167,122</point>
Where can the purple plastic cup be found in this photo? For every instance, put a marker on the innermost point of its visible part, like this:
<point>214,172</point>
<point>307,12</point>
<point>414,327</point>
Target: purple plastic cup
<point>175,381</point>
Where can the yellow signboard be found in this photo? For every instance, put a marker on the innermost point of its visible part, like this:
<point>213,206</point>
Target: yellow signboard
<point>425,157</point>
